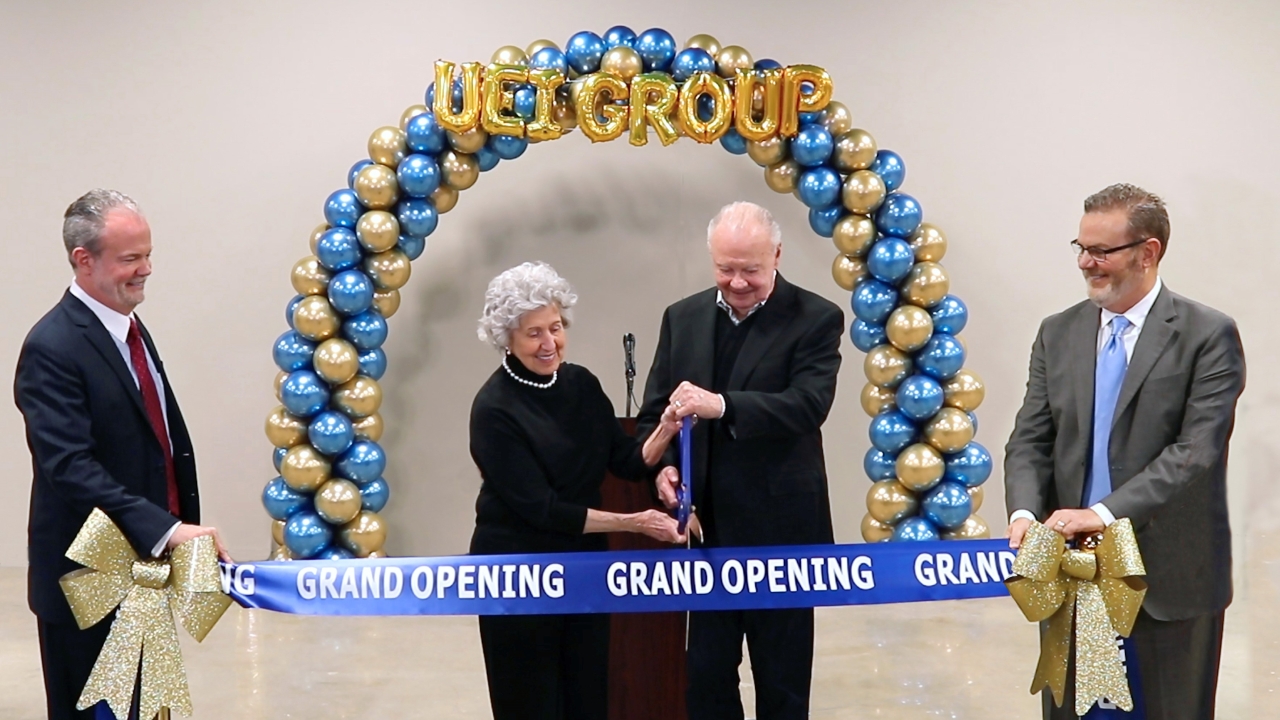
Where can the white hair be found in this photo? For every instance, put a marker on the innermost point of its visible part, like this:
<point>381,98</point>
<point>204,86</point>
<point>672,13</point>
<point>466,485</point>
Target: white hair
<point>743,215</point>
<point>85,219</point>
<point>527,286</point>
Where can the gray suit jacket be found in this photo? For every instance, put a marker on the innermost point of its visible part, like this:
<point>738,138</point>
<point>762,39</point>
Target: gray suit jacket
<point>1168,447</point>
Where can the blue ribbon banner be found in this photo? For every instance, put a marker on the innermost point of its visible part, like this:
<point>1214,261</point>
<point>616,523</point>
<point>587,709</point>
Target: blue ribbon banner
<point>738,578</point>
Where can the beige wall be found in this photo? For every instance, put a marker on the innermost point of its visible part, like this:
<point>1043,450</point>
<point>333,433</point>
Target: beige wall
<point>230,123</point>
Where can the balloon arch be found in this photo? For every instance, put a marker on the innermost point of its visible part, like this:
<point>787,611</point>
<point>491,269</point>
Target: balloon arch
<point>927,472</point>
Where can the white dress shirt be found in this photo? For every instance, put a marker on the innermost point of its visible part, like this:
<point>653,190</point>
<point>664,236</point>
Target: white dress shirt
<point>117,326</point>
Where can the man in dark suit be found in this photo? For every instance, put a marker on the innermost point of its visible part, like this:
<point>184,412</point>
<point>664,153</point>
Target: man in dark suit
<point>104,430</point>
<point>755,359</point>
<point>1129,409</point>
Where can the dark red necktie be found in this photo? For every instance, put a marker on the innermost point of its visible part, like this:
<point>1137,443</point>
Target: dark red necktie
<point>155,413</point>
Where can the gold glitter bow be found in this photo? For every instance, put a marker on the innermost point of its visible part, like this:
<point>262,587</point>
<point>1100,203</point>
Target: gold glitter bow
<point>1099,587</point>
<point>149,594</point>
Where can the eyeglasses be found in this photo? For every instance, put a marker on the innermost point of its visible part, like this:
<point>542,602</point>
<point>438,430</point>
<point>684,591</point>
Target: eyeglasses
<point>1099,254</point>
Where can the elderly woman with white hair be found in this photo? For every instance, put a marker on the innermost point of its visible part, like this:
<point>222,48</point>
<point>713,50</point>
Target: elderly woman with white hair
<point>543,433</point>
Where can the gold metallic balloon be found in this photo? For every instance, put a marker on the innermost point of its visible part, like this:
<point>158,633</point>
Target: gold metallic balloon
<point>599,115</point>
<point>365,534</point>
<point>926,285</point>
<point>410,113</point>
<point>949,431</point>
<point>387,146</point>
<point>853,150</point>
<point>847,271</point>
<point>974,528</point>
<point>795,102</point>
<point>863,192</point>
<point>378,230</point>
<point>854,235</point>
<point>377,554</point>
<point>336,360</point>
<point>281,553</point>
<point>315,319</point>
<point>565,116</point>
<point>976,496</point>
<point>277,532</point>
<point>703,41</point>
<point>875,531</point>
<point>389,270</point>
<point>965,391</point>
<point>782,177</point>
<point>757,91</point>
<point>458,170</point>
<point>509,55</point>
<point>622,62</point>
<point>386,302</point>
<point>767,152</point>
<point>537,45</point>
<point>315,235</point>
<point>376,187</point>
<point>285,430</point>
<point>280,378</point>
<point>338,501</point>
<point>543,126</point>
<point>304,468</point>
<point>929,243</point>
<point>309,277</point>
<point>444,198</point>
<point>369,428</point>
<point>909,328</point>
<point>888,501</point>
<point>919,467</point>
<point>837,118</point>
<point>732,58</point>
<point>442,105</point>
<point>876,399</point>
<point>715,87</point>
<point>468,142</point>
<point>359,397</point>
<point>653,99</point>
<point>886,366</point>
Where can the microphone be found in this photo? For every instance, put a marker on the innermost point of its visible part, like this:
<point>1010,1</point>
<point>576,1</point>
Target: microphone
<point>629,366</point>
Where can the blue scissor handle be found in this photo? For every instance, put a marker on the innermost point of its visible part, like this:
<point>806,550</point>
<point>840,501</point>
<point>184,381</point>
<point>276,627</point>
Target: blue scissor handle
<point>685,493</point>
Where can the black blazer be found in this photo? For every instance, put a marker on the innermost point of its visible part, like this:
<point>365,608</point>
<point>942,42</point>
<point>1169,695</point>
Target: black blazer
<point>91,446</point>
<point>781,388</point>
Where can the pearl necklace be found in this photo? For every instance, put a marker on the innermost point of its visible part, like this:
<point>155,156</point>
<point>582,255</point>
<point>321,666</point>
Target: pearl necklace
<point>530,383</point>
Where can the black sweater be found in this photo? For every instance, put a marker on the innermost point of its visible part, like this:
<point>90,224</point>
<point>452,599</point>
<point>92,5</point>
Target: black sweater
<point>542,455</point>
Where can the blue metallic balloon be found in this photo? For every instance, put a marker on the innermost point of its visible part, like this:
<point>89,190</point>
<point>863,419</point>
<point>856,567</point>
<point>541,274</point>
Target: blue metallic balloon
<point>412,246</point>
<point>950,315</point>
<point>942,357</point>
<point>526,98</point>
<point>706,108</point>
<point>889,166</point>
<point>734,142</point>
<point>306,534</point>
<point>374,495</point>
<point>973,420</point>
<point>363,462</point>
<point>342,209</point>
<point>583,52</point>
<point>292,352</point>
<point>424,135</point>
<point>367,331</point>
<point>899,215</point>
<point>333,552</point>
<point>690,61</point>
<point>508,147</point>
<point>819,187</point>
<point>873,301</point>
<point>915,529</point>
<point>417,216</point>
<point>418,175</point>
<point>812,145</point>
<point>890,259</point>
<point>277,458</point>
<point>288,309</point>
<point>948,505</point>
<point>373,363</point>
<point>656,48</point>
<point>866,336</point>
<point>879,465</point>
<point>486,158</point>
<point>970,467</point>
<point>618,35</point>
<point>549,58</point>
<point>767,64</point>
<point>281,501</point>
<point>331,432</point>
<point>303,393</point>
<point>350,292</point>
<point>355,170</point>
<point>338,249</point>
<point>891,431</point>
<point>823,220</point>
<point>920,397</point>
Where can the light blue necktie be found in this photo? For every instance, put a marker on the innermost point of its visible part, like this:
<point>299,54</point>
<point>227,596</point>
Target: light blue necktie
<point>1107,379</point>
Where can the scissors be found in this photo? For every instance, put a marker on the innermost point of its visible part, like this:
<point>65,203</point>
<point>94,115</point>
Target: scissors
<point>684,495</point>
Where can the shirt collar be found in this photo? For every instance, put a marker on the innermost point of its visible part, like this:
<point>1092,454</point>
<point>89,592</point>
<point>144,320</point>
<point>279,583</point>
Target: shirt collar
<point>1136,315</point>
<point>723,305</point>
<point>114,322</point>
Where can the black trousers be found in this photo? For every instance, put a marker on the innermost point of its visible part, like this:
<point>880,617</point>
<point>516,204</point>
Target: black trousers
<point>1178,662</point>
<point>546,667</point>
<point>67,654</point>
<point>781,647</point>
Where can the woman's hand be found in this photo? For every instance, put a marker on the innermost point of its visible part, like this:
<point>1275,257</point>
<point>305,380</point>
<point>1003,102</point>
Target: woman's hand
<point>668,482</point>
<point>657,525</point>
<point>656,444</point>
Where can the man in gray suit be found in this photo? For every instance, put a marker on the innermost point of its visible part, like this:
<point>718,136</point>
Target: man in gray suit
<point>1129,409</point>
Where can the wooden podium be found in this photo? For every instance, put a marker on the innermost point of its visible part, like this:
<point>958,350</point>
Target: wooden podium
<point>646,650</point>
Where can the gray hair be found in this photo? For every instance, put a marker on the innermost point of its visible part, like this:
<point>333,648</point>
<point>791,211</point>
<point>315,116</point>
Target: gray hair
<point>742,214</point>
<point>84,219</point>
<point>1148,217</point>
<point>525,287</point>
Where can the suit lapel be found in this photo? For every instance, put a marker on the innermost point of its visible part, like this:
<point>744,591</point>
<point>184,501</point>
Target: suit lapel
<point>762,333</point>
<point>1084,346</point>
<point>101,341</point>
<point>1156,334</point>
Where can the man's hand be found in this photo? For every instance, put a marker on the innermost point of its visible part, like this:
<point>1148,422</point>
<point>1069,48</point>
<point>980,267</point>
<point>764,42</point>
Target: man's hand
<point>1017,530</point>
<point>187,532</point>
<point>1069,523</point>
<point>689,399</point>
<point>668,482</point>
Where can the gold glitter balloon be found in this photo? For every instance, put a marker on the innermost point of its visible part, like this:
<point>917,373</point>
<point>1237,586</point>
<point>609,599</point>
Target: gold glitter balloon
<point>410,113</point>
<point>888,502</point>
<point>854,235</point>
<point>949,431</point>
<point>919,467</point>
<point>976,496</point>
<point>974,528</point>
<point>277,532</point>
<point>364,535</point>
<point>315,319</point>
<point>378,231</point>
<point>929,243</point>
<point>386,302</point>
<point>389,270</point>
<point>731,59</point>
<point>537,45</point>
<point>965,391</point>
<point>847,271</point>
<point>909,328</point>
<point>703,41</point>
<point>369,428</point>
<point>315,236</point>
<point>376,187</point>
<point>886,366</point>
<point>279,383</point>
<point>875,531</point>
<point>285,430</point>
<point>622,61</point>
<point>509,55</point>
<point>336,360</point>
<point>767,152</point>
<point>468,142</point>
<point>444,198</point>
<point>926,285</point>
<point>836,118</point>
<point>863,192</point>
<point>853,150</point>
<point>387,146</point>
<point>338,501</point>
<point>359,397</point>
<point>309,277</point>
<point>782,177</point>
<point>304,468</point>
<point>876,399</point>
<point>458,170</point>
